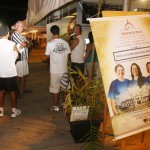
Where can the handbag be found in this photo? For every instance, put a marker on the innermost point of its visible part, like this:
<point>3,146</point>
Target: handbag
<point>65,83</point>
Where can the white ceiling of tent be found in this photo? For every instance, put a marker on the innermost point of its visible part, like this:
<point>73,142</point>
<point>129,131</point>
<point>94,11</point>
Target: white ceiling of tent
<point>40,8</point>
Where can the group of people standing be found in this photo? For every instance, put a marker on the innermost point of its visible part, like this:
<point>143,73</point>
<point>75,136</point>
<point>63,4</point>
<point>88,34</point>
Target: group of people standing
<point>14,62</point>
<point>60,51</point>
<point>13,65</point>
<point>124,94</point>
<point>14,68</point>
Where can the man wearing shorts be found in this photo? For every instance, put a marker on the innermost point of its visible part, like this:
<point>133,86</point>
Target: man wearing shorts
<point>8,72</point>
<point>22,62</point>
<point>58,50</point>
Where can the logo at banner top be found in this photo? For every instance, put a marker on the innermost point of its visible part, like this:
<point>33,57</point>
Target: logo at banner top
<point>128,26</point>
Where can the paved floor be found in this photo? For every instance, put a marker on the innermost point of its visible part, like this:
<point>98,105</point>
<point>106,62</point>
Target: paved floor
<point>37,128</point>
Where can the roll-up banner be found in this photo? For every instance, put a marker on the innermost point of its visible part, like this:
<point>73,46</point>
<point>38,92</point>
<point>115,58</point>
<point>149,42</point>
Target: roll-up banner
<point>123,48</point>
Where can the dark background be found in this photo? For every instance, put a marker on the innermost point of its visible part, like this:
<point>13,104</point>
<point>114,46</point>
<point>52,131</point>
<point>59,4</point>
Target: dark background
<point>12,10</point>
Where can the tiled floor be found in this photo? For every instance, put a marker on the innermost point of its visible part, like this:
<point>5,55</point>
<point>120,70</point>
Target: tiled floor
<point>37,55</point>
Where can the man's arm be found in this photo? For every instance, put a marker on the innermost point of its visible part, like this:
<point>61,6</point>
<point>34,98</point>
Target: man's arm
<point>16,38</point>
<point>74,43</point>
<point>25,44</point>
<point>113,105</point>
<point>19,39</point>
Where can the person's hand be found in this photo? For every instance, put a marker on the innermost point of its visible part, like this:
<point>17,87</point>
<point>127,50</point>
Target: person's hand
<point>68,37</point>
<point>15,48</point>
<point>21,47</point>
<point>23,44</point>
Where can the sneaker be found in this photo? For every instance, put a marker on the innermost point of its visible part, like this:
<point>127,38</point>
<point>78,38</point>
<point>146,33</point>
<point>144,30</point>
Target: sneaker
<point>1,113</point>
<point>15,113</point>
<point>63,106</point>
<point>54,108</point>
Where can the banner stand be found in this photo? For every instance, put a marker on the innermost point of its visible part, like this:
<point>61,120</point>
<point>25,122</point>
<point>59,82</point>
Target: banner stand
<point>104,122</point>
<point>122,48</point>
<point>136,146</point>
<point>123,142</point>
<point>143,137</point>
<point>143,144</point>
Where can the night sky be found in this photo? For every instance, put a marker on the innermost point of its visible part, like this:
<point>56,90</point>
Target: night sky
<point>12,10</point>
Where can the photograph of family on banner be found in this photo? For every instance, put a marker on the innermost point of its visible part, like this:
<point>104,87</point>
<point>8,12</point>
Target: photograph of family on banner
<point>123,48</point>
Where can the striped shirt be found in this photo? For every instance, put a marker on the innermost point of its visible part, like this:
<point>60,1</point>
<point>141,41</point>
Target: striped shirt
<point>18,38</point>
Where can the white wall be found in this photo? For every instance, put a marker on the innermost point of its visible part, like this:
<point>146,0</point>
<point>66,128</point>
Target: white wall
<point>134,4</point>
<point>63,23</point>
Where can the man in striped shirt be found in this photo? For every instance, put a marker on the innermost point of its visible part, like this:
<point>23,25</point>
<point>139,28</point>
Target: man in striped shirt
<point>22,62</point>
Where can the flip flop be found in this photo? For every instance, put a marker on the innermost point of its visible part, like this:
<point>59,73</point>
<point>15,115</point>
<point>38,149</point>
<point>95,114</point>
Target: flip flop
<point>27,91</point>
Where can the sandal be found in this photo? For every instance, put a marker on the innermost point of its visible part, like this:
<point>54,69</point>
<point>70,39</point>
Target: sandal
<point>27,91</point>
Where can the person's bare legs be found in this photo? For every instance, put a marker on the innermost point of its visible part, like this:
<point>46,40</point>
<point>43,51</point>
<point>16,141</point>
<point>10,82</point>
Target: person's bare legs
<point>55,98</point>
<point>1,103</point>
<point>19,84</point>
<point>13,98</point>
<point>64,94</point>
<point>55,102</point>
<point>24,88</point>
<point>87,72</point>
<point>1,98</point>
<point>23,83</point>
<point>15,111</point>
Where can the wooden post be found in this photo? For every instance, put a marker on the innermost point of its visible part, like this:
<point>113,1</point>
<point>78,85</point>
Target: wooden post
<point>104,122</point>
<point>99,8</point>
<point>91,74</point>
<point>137,146</point>
<point>123,144</point>
<point>143,137</point>
<point>93,52</point>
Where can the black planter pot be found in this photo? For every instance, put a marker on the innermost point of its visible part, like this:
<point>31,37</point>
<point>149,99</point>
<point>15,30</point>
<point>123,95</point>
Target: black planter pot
<point>79,129</point>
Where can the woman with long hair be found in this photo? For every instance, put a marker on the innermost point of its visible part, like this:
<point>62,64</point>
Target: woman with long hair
<point>91,61</point>
<point>136,74</point>
<point>138,88</point>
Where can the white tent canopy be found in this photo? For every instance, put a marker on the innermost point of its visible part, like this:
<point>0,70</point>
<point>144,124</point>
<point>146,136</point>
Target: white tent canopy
<point>38,9</point>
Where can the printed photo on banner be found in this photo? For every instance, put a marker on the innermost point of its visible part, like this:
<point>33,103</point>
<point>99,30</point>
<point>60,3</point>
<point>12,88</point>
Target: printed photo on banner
<point>123,50</point>
<point>131,94</point>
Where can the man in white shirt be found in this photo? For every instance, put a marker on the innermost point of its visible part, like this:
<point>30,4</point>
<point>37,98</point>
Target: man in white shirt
<point>77,55</point>
<point>58,50</point>
<point>8,72</point>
